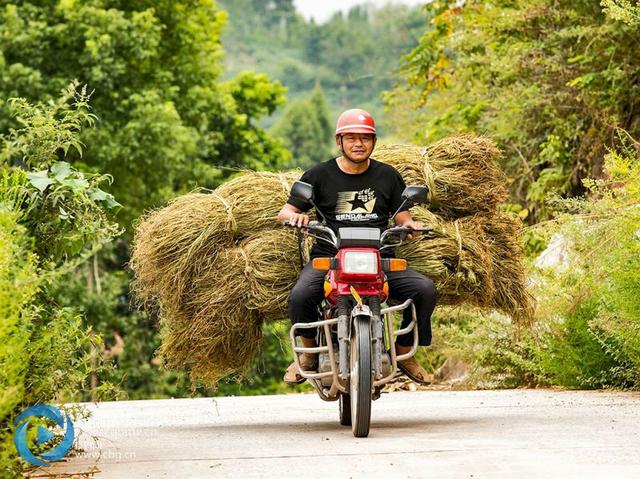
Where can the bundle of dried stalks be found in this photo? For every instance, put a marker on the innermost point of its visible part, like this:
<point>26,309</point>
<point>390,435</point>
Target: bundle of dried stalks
<point>210,348</point>
<point>275,265</point>
<point>455,256</point>
<point>170,244</point>
<point>209,330</point>
<point>512,294</point>
<point>256,198</point>
<point>461,172</point>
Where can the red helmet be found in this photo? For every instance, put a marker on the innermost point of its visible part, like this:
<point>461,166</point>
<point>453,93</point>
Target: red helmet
<point>355,121</point>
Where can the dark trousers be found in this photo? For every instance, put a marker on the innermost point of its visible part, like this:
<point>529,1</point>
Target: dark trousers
<point>308,293</point>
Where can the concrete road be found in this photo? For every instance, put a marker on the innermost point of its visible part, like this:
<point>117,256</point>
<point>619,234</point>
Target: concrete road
<point>435,434</point>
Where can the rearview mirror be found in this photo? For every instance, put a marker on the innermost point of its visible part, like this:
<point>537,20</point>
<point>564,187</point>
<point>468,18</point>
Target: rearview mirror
<point>302,191</point>
<point>415,195</point>
<point>412,195</point>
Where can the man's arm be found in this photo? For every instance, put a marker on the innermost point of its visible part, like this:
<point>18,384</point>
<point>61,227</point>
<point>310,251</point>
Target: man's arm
<point>293,214</point>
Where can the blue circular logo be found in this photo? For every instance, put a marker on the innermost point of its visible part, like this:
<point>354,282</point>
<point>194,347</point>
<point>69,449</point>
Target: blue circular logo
<point>44,434</point>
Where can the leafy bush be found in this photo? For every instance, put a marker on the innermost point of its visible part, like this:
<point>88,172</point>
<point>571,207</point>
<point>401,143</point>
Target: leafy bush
<point>66,211</point>
<point>43,350</point>
<point>19,284</point>
<point>587,333</point>
<point>63,208</point>
<point>52,217</point>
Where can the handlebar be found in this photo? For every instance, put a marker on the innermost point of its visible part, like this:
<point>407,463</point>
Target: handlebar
<point>310,226</point>
<point>314,228</point>
<point>404,229</point>
<point>400,231</point>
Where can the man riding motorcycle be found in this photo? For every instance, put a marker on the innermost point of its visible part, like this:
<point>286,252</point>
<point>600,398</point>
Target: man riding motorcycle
<point>354,190</point>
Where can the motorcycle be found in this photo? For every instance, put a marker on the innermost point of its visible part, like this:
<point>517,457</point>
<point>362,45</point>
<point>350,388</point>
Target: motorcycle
<point>355,337</point>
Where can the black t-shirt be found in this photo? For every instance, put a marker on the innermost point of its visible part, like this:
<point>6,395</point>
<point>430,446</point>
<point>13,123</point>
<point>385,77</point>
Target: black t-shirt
<point>366,199</point>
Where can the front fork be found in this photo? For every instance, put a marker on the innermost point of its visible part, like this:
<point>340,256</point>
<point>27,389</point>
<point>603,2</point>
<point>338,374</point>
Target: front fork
<point>345,322</point>
<point>345,328</point>
<point>344,337</point>
<point>377,340</point>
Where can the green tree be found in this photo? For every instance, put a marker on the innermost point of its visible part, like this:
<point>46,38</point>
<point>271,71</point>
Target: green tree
<point>312,46</point>
<point>319,105</point>
<point>550,81</point>
<point>306,130</point>
<point>275,12</point>
<point>165,120</point>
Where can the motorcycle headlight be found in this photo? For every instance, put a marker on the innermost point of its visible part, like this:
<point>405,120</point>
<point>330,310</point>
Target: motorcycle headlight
<point>360,262</point>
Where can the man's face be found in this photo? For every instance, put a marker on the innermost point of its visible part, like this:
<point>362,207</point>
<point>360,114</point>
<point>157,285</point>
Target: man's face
<point>358,146</point>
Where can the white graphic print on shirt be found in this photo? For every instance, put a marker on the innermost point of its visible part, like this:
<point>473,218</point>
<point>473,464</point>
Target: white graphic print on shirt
<point>356,205</point>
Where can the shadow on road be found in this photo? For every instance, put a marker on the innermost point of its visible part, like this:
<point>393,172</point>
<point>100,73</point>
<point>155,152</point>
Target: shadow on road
<point>388,424</point>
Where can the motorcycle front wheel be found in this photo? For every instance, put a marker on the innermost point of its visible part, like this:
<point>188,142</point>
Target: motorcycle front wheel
<point>360,377</point>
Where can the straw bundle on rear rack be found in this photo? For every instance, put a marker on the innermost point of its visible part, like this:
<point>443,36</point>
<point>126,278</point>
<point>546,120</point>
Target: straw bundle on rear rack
<point>461,172</point>
<point>216,265</point>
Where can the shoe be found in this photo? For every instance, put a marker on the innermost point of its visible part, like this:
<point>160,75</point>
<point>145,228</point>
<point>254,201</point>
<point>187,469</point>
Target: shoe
<point>308,362</point>
<point>412,369</point>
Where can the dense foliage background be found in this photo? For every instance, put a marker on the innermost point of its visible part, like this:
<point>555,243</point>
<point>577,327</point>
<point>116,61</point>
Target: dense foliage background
<point>550,81</point>
<point>109,108</point>
<point>555,83</point>
<point>344,63</point>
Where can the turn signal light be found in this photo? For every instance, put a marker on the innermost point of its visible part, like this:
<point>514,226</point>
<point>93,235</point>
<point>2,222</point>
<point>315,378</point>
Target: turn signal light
<point>396,264</point>
<point>323,264</point>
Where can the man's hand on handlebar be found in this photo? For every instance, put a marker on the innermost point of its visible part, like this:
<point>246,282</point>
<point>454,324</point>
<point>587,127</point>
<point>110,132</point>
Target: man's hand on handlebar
<point>297,219</point>
<point>414,225</point>
<point>312,228</point>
